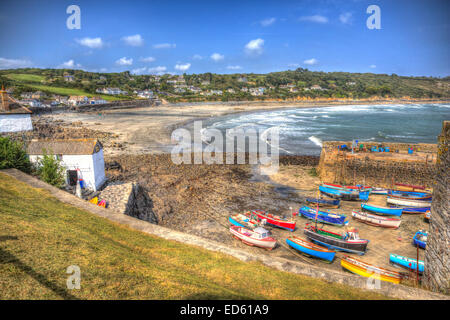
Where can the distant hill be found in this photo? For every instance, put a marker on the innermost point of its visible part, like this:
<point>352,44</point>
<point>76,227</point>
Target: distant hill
<point>243,86</point>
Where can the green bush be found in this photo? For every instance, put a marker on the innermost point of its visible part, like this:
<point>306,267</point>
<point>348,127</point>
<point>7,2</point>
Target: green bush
<point>50,170</point>
<point>13,155</point>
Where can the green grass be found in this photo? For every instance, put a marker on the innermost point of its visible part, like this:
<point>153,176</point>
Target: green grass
<point>41,236</point>
<point>72,92</point>
<point>26,77</point>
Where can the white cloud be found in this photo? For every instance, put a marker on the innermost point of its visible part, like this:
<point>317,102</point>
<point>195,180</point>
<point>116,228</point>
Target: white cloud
<point>147,59</point>
<point>182,67</point>
<point>157,70</point>
<point>234,67</point>
<point>372,66</point>
<point>14,63</point>
<point>124,61</point>
<point>134,41</point>
<point>293,65</point>
<point>217,57</point>
<point>346,18</point>
<point>93,43</point>
<point>315,18</point>
<point>254,47</point>
<point>164,46</point>
<point>197,57</point>
<point>267,22</point>
<point>69,65</point>
<point>311,61</point>
<point>139,70</point>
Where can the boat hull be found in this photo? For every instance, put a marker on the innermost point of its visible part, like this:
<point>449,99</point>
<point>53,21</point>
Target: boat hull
<point>273,221</point>
<point>375,220</point>
<point>407,263</point>
<point>324,217</point>
<point>382,210</point>
<point>410,195</point>
<point>358,247</point>
<point>408,202</point>
<point>324,202</point>
<point>369,271</point>
<point>311,249</point>
<point>262,243</point>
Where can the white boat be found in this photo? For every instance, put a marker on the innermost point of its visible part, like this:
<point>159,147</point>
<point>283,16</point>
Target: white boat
<point>379,191</point>
<point>376,220</point>
<point>408,203</point>
<point>258,237</point>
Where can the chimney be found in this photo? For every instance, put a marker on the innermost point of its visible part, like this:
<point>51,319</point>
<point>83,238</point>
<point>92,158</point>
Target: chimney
<point>5,99</point>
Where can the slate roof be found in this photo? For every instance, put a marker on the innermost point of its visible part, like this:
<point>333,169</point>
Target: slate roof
<point>64,146</point>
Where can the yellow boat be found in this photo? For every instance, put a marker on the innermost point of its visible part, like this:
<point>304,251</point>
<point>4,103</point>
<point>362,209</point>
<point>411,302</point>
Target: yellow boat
<point>369,271</point>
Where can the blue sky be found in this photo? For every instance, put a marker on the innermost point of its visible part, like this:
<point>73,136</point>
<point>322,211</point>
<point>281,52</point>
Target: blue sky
<point>228,36</point>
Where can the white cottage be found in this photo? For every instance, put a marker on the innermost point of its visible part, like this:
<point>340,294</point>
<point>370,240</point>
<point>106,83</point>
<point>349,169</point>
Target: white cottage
<point>82,158</point>
<point>13,116</point>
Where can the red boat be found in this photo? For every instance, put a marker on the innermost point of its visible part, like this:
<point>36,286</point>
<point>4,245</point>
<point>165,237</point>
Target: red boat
<point>275,221</point>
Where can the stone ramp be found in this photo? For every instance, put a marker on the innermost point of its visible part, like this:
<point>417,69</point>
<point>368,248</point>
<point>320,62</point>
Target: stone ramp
<point>388,289</point>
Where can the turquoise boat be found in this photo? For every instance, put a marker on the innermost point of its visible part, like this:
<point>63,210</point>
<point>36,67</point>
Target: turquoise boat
<point>405,262</point>
<point>382,210</point>
<point>310,248</point>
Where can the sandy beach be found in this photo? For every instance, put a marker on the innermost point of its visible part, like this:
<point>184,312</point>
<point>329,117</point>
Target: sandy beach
<point>148,130</point>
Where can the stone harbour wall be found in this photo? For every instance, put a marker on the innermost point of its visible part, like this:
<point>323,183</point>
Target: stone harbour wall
<point>131,199</point>
<point>380,169</point>
<point>437,262</point>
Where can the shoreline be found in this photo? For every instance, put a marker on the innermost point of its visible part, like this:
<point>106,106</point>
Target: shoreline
<point>145,130</point>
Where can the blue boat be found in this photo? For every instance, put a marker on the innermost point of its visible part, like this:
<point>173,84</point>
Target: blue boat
<point>324,217</point>
<point>324,202</point>
<point>382,210</point>
<point>416,210</point>
<point>344,194</point>
<point>405,262</point>
<point>412,195</point>
<point>420,239</point>
<point>310,248</point>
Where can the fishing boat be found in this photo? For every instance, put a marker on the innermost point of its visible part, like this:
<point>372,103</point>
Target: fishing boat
<point>344,194</point>
<point>339,186</point>
<point>330,203</point>
<point>381,191</point>
<point>405,262</point>
<point>349,241</point>
<point>420,239</point>
<point>310,248</point>
<point>410,195</point>
<point>323,217</point>
<point>246,220</point>
<point>275,220</point>
<point>414,210</point>
<point>375,220</point>
<point>367,270</point>
<point>382,210</point>
<point>258,237</point>
<point>408,202</point>
<point>427,216</point>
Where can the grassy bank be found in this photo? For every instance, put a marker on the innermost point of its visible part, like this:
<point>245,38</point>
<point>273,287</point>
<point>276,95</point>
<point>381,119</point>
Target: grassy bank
<point>41,236</point>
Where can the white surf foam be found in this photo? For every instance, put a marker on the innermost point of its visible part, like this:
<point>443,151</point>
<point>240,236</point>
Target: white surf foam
<point>316,141</point>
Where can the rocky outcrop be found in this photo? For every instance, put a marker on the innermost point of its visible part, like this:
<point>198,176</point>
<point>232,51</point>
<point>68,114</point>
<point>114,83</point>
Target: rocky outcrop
<point>437,262</point>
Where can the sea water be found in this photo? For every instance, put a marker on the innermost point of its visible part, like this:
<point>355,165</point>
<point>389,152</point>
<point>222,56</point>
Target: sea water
<point>302,130</point>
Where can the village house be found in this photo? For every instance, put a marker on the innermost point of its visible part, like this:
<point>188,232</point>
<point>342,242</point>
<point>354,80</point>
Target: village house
<point>111,91</point>
<point>205,83</point>
<point>230,90</point>
<point>194,89</point>
<point>31,102</point>
<point>69,78</point>
<point>145,94</point>
<point>180,90</point>
<point>13,116</point>
<point>316,87</point>
<point>257,91</point>
<point>97,100</point>
<point>242,79</point>
<point>78,100</point>
<point>81,159</point>
<point>26,95</point>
